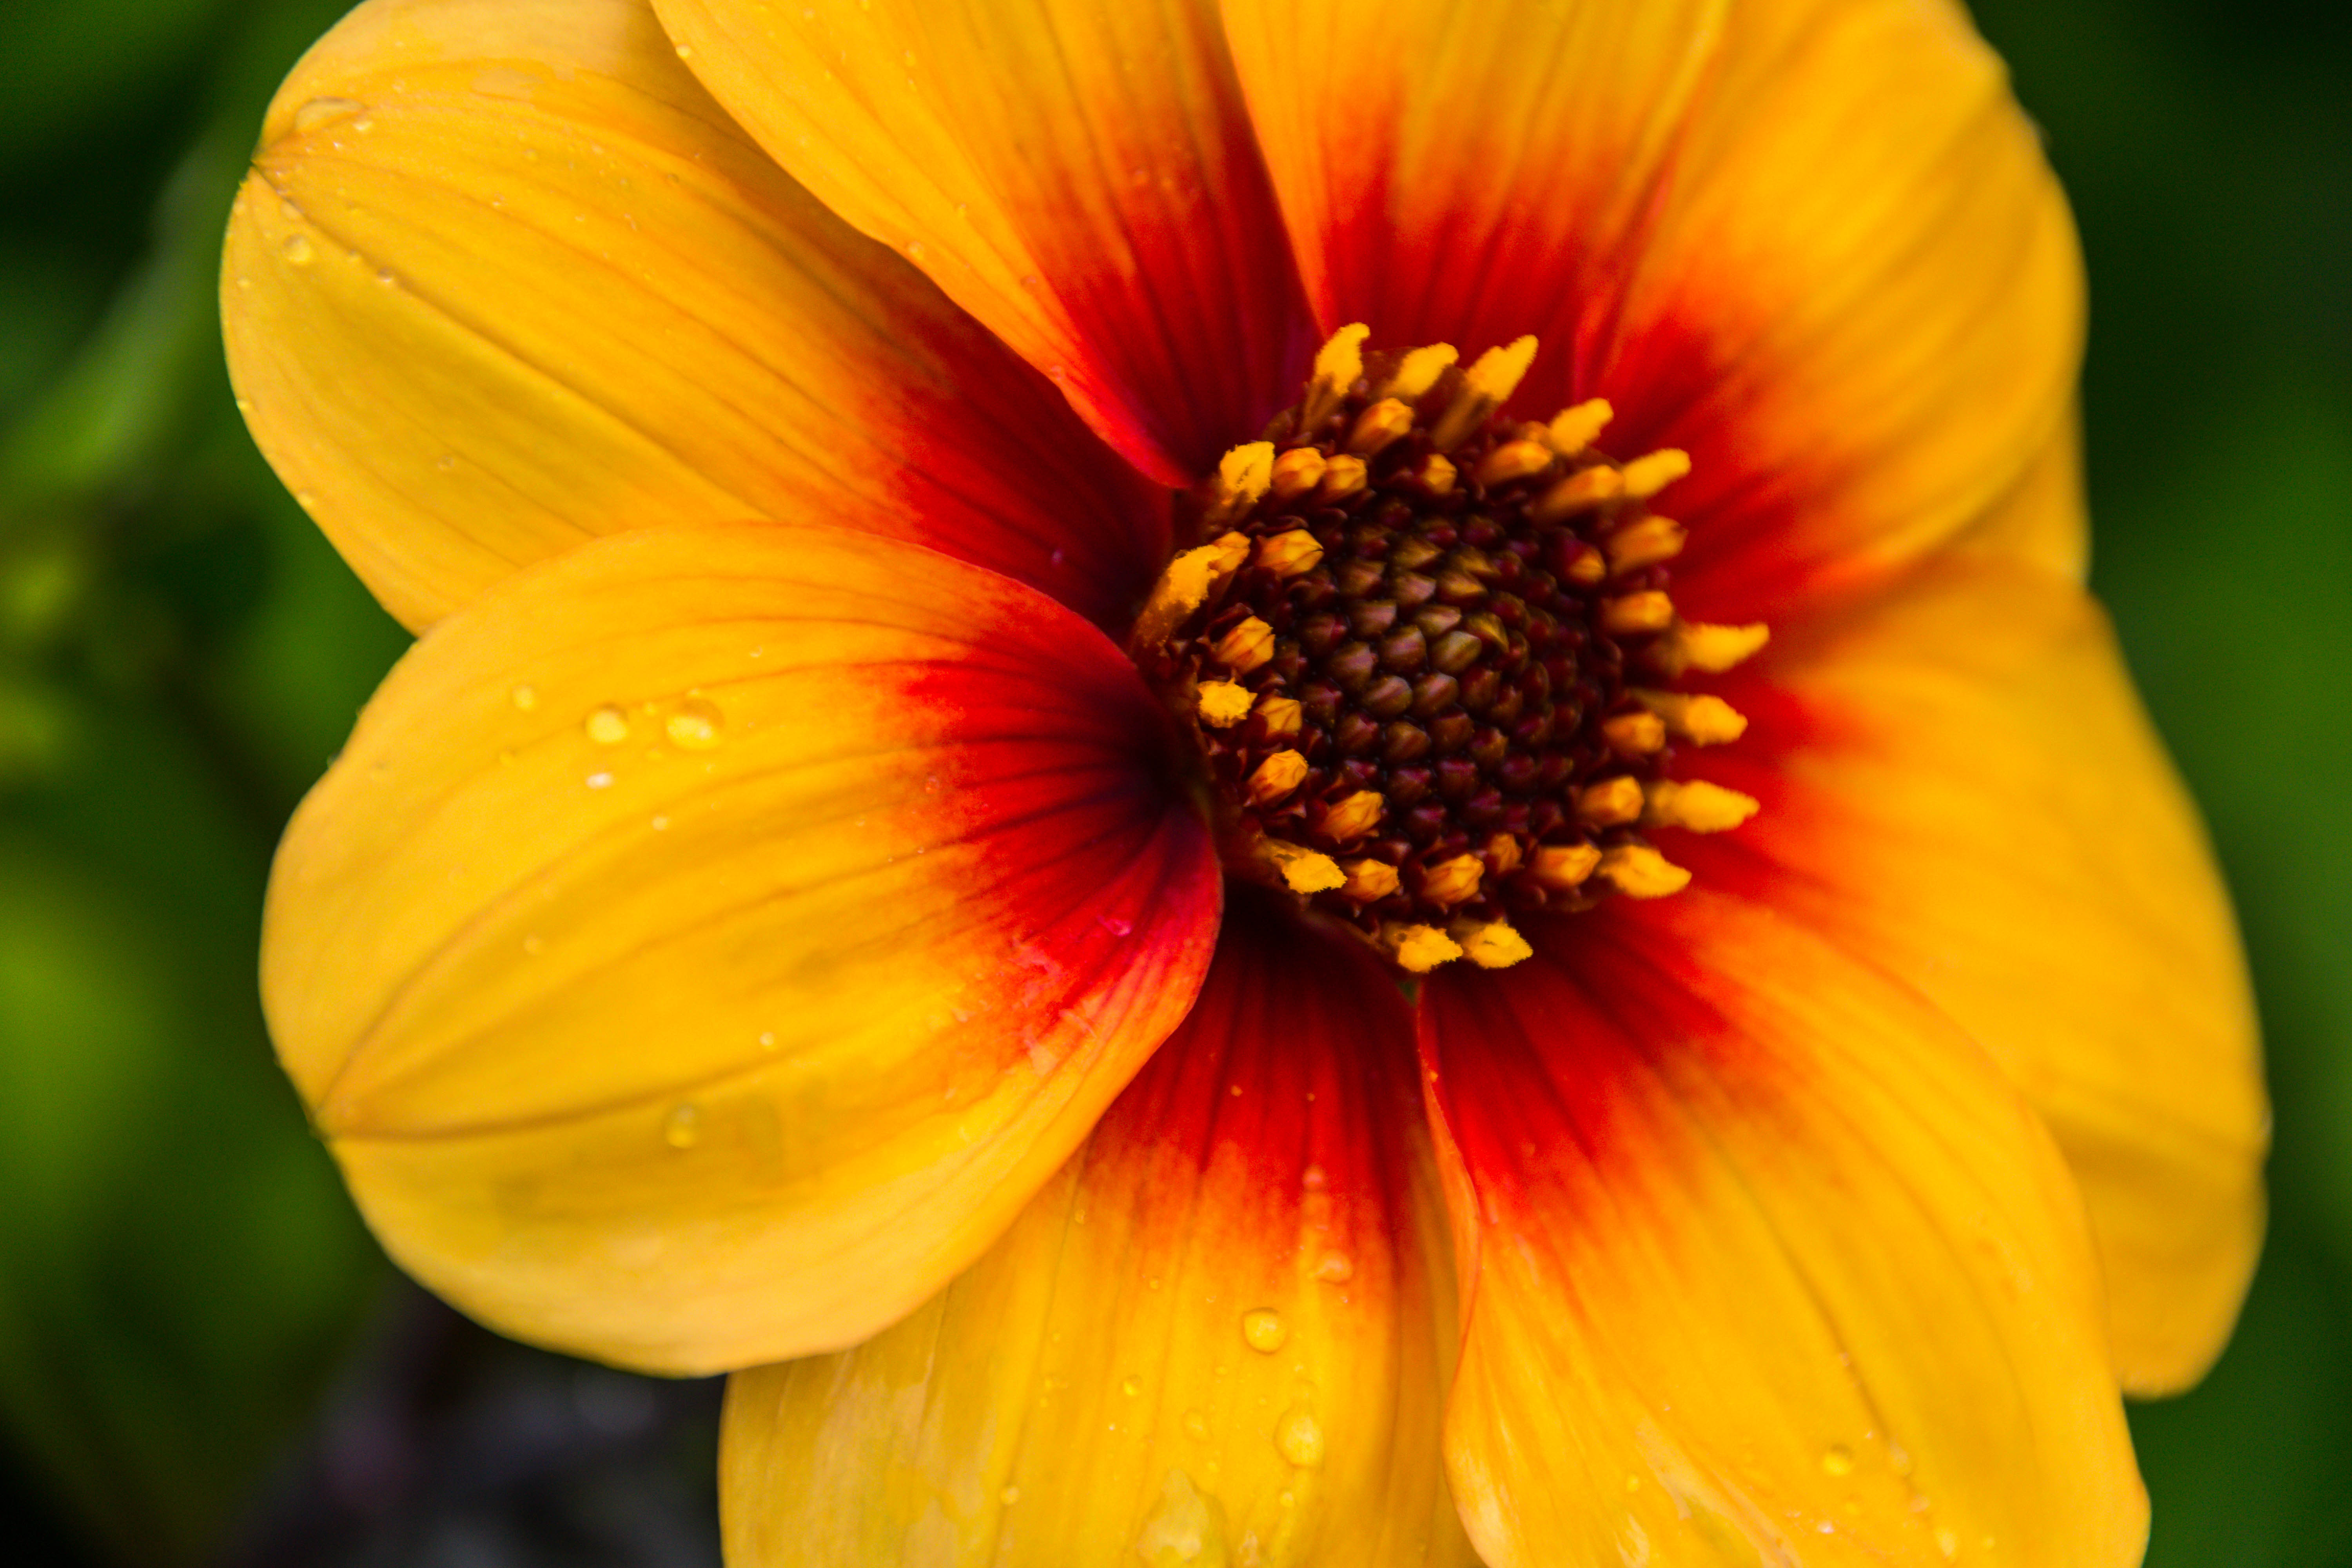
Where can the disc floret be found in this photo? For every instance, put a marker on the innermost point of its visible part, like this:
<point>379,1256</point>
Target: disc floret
<point>1429,657</point>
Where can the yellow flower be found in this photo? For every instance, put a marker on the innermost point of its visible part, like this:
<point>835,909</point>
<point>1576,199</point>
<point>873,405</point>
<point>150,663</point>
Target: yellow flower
<point>1209,932</point>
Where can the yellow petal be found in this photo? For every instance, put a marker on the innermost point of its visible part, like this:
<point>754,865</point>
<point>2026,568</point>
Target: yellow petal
<point>504,278</point>
<point>1976,802</point>
<point>1812,243</point>
<point>1764,1262</point>
<point>1080,177</point>
<point>1221,1336</point>
<point>694,1045</point>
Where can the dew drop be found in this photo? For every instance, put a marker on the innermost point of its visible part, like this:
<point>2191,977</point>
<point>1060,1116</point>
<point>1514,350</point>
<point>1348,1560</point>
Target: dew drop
<point>608,726</point>
<point>1180,1528</point>
<point>600,781</point>
<point>683,1129</point>
<point>766,1039</point>
<point>1009,1495</point>
<point>321,112</point>
<point>1300,1438</point>
<point>297,249</point>
<point>1838,1460</point>
<point>1265,1330</point>
<point>1335,1269</point>
<point>1947,1541</point>
<point>526,697</point>
<point>1131,1387</point>
<point>1196,1426</point>
<point>661,825</point>
<point>1314,1179</point>
<point>695,726</point>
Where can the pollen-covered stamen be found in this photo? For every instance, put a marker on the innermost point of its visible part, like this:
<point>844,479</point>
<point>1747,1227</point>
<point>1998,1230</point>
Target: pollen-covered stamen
<point>1429,655</point>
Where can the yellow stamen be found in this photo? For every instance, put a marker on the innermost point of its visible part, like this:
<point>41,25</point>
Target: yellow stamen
<point>1640,872</point>
<point>1435,474</point>
<point>1343,475</point>
<point>1245,646</point>
<point>1486,385</point>
<point>1223,703</point>
<point>1562,867</point>
<point>1419,371</point>
<point>1586,566</point>
<point>1493,945</point>
<point>1646,543</point>
<point>1698,805</point>
<point>1296,472</point>
<point>1420,949</point>
<point>1279,717</point>
<point>1696,646</point>
<point>1581,491</point>
<point>1184,583</point>
<point>1276,777</point>
<point>1503,854</point>
<point>1646,612</point>
<point>1702,721</point>
<point>1449,882</point>
<point>1289,554</point>
<point>1338,364</point>
<point>1354,816</point>
<point>1303,870</point>
<point>1240,482</point>
<point>1378,426</point>
<point>1574,430</point>
<point>1611,802</point>
<point>1646,475</point>
<point>1635,734</point>
<point>1512,461</point>
<point>1370,881</point>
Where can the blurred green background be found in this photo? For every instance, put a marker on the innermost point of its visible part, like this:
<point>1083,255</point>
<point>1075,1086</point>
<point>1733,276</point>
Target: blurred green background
<point>203,1358</point>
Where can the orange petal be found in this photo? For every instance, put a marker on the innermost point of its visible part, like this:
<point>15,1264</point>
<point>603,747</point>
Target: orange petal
<point>1960,786</point>
<point>1219,1336</point>
<point>504,278</point>
<point>1813,243</point>
<point>711,939</point>
<point>1764,1261</point>
<point>1080,177</point>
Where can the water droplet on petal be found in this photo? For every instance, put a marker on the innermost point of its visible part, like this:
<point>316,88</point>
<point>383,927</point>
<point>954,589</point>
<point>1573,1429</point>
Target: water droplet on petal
<point>526,697</point>
<point>1010,1496</point>
<point>1131,1387</point>
<point>1314,1179</point>
<point>1838,1460</point>
<point>320,112</point>
<point>1196,1426</point>
<point>1335,1269</point>
<point>1265,1330</point>
<point>1180,1528</point>
<point>608,726</point>
<point>1300,1438</point>
<point>297,249</point>
<point>695,726</point>
<point>683,1129</point>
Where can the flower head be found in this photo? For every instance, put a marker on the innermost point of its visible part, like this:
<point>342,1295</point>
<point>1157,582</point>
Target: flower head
<point>1270,784</point>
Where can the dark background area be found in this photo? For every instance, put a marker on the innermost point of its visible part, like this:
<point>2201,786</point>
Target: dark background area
<point>202,1357</point>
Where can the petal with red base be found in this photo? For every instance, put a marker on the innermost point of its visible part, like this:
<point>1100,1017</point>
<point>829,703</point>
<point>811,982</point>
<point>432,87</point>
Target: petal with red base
<point>1762,1260</point>
<point>1080,177</point>
<point>1218,1336</point>
<point>1959,785</point>
<point>710,939</point>
<point>504,278</point>
<point>1811,242</point>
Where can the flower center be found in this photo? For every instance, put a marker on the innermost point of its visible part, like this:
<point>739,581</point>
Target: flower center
<point>1429,657</point>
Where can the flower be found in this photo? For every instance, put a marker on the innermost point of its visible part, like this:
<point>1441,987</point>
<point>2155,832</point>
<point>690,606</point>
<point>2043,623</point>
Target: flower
<point>1024,805</point>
